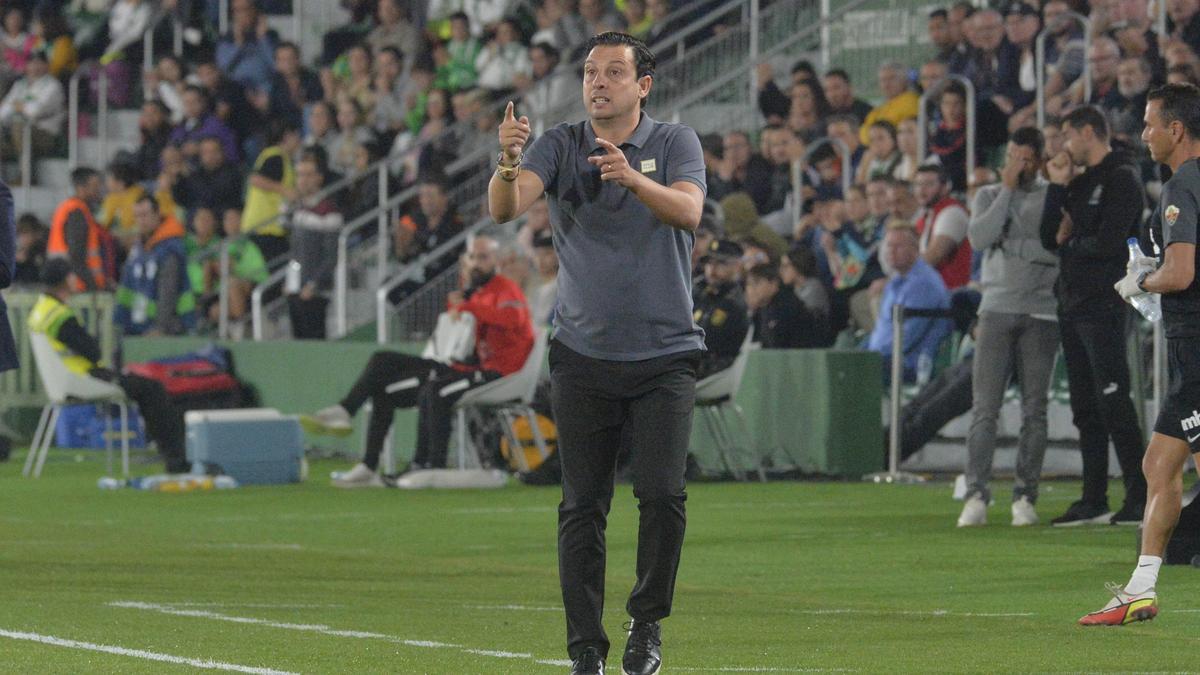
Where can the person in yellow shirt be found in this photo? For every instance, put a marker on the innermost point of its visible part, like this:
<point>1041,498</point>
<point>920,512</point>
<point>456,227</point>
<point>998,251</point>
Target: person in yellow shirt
<point>116,211</point>
<point>271,186</point>
<point>900,102</point>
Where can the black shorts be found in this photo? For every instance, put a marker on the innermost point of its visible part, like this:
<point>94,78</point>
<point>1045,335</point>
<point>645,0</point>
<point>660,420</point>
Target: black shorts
<point>1180,413</point>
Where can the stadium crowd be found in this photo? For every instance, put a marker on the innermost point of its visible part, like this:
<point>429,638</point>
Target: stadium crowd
<point>241,134</point>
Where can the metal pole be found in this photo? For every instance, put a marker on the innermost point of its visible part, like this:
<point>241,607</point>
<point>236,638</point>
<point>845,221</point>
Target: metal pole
<point>923,122</point>
<point>825,34</point>
<point>223,17</point>
<point>797,190</point>
<point>223,293</point>
<point>27,162</point>
<point>297,23</point>
<point>103,119</point>
<point>753,50</point>
<point>148,47</point>
<point>970,167</point>
<point>177,34</point>
<point>341,282</point>
<point>897,374</point>
<point>1160,20</point>
<point>1039,67</point>
<point>384,212</point>
<point>1087,55</point>
<point>381,315</point>
<point>73,121</point>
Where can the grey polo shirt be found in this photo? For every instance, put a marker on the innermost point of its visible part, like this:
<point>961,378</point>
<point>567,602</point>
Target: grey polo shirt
<point>625,277</point>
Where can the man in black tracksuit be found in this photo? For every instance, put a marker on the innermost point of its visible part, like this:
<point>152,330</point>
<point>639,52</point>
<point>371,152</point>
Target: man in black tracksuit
<point>1087,219</point>
<point>719,307</point>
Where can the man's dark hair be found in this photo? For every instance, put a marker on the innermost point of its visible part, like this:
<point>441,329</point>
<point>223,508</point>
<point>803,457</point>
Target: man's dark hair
<point>936,169</point>
<point>845,118</point>
<point>149,199</point>
<point>953,87</point>
<point>939,13</point>
<point>804,260</point>
<point>713,143</point>
<point>967,8</point>
<point>277,128</point>
<point>1030,137</point>
<point>55,272</point>
<point>548,49</point>
<point>81,176</point>
<point>394,51</point>
<point>435,177</point>
<point>765,272</point>
<point>1089,116</point>
<point>316,153</point>
<point>804,66</point>
<point>1179,103</point>
<point>287,44</point>
<point>124,172</point>
<point>839,73</point>
<point>458,16</point>
<point>642,56</point>
<point>162,108</point>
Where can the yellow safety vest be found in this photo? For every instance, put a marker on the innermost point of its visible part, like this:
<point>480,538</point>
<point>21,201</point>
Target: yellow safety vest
<point>262,205</point>
<point>47,317</point>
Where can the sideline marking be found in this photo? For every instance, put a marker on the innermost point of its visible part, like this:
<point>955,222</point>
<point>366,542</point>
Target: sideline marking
<point>514,608</point>
<point>139,653</point>
<point>903,612</point>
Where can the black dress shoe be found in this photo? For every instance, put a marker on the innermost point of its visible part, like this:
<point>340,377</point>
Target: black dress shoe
<point>589,662</point>
<point>643,653</point>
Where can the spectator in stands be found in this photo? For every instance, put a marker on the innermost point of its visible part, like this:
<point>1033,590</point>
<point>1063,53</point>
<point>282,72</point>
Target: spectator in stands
<point>55,38</point>
<point>155,296</point>
<point>128,21</point>
<point>215,183</point>
<point>247,52</point>
<point>938,30</point>
<point>599,16</point>
<point>15,46</point>
<point>293,87</point>
<point>772,102</point>
<point>353,133</point>
<point>166,83</point>
<point>76,236</point>
<point>931,75</point>
<point>503,339</point>
<point>200,122</point>
<point>1065,57</point>
<point>1128,23</point>
<point>357,82</point>
<point>1022,23</point>
<point>430,139</point>
<point>537,220</point>
<point>1052,133</point>
<point>1126,109</point>
<point>994,62</point>
<point>840,95</point>
<point>246,265</point>
<point>900,102</point>
<point>1017,333</point>
<point>915,285</point>
<point>503,58</point>
<point>322,127</point>
<point>942,227</point>
<point>845,129</point>
<point>949,140</point>
<point>455,59</point>
<point>550,83</point>
<point>89,19</point>
<point>807,110</point>
<point>433,223</point>
<point>564,28</point>
<point>780,148</point>
<point>116,211</point>
<point>902,203</point>
<point>779,318</point>
<point>799,271</point>
<point>638,20</point>
<point>154,128</point>
<point>30,255</point>
<point>545,263</point>
<point>906,143</point>
<point>1103,59</point>
<point>387,118</point>
<point>743,170</point>
<point>882,157</point>
<point>1183,22</point>
<point>36,101</point>
<point>80,352</point>
<point>852,267</point>
<point>231,104</point>
<point>719,306</point>
<point>271,185</point>
<point>1183,73</point>
<point>316,223</point>
<point>395,29</point>
<point>203,247</point>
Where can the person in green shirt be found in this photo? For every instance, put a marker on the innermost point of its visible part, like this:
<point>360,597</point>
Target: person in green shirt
<point>246,264</point>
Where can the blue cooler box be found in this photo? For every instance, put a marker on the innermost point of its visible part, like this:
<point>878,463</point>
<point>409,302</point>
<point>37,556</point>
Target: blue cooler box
<point>257,446</point>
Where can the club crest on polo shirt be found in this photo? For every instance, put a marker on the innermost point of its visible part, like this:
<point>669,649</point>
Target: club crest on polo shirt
<point>1171,214</point>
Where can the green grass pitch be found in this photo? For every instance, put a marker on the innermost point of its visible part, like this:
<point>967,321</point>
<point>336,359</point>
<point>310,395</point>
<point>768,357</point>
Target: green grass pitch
<point>783,577</point>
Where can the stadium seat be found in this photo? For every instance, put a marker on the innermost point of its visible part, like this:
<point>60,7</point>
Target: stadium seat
<point>64,387</point>
<point>714,396</point>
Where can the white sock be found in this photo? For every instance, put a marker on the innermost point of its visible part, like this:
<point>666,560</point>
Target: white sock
<point>1145,576</point>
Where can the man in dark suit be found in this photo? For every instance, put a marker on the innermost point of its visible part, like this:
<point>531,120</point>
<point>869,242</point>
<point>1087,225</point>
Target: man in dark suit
<point>8,265</point>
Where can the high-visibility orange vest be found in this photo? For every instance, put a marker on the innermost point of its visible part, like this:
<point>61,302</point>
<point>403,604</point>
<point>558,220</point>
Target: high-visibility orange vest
<point>57,246</point>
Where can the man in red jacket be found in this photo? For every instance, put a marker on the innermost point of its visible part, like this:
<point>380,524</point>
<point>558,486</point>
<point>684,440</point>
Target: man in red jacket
<point>503,339</point>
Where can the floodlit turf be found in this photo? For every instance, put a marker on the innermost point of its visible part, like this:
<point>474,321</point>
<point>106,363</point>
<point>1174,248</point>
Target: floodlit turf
<point>784,577</point>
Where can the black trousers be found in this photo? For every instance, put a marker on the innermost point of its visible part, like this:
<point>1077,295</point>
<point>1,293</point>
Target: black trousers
<point>392,380</point>
<point>308,317</point>
<point>1098,379</point>
<point>164,419</point>
<point>945,397</point>
<point>599,406</point>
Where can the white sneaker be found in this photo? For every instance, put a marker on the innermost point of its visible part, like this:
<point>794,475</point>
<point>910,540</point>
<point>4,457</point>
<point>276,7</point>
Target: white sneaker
<point>974,512</point>
<point>1023,513</point>
<point>333,420</point>
<point>360,476</point>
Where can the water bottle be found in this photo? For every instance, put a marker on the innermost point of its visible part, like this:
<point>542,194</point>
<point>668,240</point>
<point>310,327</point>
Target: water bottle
<point>110,483</point>
<point>924,369</point>
<point>1148,304</point>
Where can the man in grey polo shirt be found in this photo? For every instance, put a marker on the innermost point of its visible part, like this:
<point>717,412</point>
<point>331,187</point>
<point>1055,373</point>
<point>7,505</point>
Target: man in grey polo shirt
<point>625,194</point>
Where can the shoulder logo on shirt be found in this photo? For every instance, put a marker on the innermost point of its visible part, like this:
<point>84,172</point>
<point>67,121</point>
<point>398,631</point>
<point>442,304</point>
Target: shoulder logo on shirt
<point>1095,200</point>
<point>1171,214</point>
<point>648,166</point>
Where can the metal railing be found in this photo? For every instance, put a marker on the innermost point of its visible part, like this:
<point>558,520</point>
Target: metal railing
<point>923,120</point>
<point>1039,61</point>
<point>415,272</point>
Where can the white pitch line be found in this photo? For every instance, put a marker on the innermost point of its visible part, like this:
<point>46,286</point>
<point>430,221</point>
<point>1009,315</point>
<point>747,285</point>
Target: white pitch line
<point>139,653</point>
<point>514,608</point>
<point>903,612</point>
<point>760,669</point>
<point>252,547</point>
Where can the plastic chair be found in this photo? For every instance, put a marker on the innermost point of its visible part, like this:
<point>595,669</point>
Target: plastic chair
<point>714,396</point>
<point>64,387</point>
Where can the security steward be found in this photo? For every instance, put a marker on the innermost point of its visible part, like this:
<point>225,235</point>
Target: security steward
<point>155,296</point>
<point>720,307</point>
<point>52,317</point>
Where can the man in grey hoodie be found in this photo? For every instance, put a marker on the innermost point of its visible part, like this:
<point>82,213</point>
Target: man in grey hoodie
<point>1018,326</point>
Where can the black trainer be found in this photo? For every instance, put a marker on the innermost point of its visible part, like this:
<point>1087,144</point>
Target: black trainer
<point>643,653</point>
<point>589,662</point>
<point>1083,513</point>
<point>1130,514</point>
